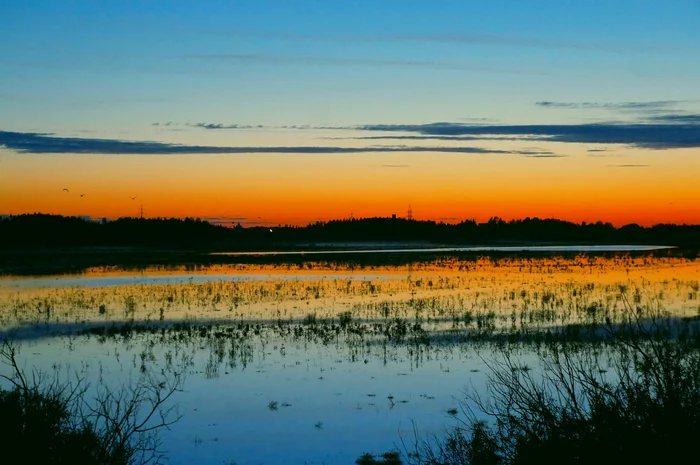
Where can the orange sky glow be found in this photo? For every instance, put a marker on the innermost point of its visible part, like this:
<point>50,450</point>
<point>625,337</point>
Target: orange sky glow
<point>298,189</point>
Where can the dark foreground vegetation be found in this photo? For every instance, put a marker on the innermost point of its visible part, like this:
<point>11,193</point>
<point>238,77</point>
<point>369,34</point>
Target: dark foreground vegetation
<point>634,399</point>
<point>45,421</point>
<point>40,230</point>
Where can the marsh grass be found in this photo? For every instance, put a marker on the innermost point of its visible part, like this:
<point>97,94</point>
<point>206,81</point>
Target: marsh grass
<point>387,458</point>
<point>486,308</point>
<point>634,400</point>
<point>585,307</point>
<point>419,330</point>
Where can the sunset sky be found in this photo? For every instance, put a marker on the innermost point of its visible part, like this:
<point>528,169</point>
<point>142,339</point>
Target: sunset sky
<point>267,112</point>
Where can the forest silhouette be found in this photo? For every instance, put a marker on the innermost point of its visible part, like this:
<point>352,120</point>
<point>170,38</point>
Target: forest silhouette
<point>35,231</point>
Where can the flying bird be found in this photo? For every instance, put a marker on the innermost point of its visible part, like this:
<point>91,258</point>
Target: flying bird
<point>66,189</point>
<point>132,198</point>
<point>82,195</point>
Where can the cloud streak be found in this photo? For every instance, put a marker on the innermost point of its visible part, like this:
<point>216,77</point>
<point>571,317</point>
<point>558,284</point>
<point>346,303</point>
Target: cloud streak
<point>660,131</point>
<point>28,142</point>
<point>651,136</point>
<point>243,59</point>
<point>214,126</point>
<point>650,105</point>
<point>461,38</point>
<point>683,118</point>
<point>655,111</point>
<point>431,137</point>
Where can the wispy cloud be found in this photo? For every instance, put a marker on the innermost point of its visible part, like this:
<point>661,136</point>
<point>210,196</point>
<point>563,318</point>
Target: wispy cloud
<point>478,120</point>
<point>545,155</point>
<point>458,38</point>
<point>223,126</point>
<point>239,58</point>
<point>652,136</point>
<point>395,166</point>
<point>655,111</point>
<point>500,40</point>
<point>27,142</point>
<point>671,129</point>
<point>656,104</point>
<point>684,118</point>
<point>432,137</point>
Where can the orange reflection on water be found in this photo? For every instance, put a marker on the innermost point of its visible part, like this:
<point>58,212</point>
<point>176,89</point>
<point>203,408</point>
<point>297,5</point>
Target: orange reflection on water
<point>582,266</point>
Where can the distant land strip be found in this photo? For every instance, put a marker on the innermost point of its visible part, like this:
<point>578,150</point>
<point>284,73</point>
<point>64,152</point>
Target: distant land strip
<point>36,231</point>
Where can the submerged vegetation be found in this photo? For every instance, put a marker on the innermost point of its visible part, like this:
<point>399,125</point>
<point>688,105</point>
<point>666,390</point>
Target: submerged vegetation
<point>444,302</point>
<point>588,357</point>
<point>635,399</point>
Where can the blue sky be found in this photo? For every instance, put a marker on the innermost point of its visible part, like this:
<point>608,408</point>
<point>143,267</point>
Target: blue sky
<point>85,65</point>
<point>286,101</point>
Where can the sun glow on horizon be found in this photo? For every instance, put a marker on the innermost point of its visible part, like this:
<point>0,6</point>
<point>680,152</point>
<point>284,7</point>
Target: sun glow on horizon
<point>301,189</point>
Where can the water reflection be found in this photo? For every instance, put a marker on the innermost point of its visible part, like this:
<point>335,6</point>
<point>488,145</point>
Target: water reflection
<point>328,362</point>
<point>542,248</point>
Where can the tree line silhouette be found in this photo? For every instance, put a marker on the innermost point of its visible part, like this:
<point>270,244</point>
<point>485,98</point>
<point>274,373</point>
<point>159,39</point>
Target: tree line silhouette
<point>44,230</point>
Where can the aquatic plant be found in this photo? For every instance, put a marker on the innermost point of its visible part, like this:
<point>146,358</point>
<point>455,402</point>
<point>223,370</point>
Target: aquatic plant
<point>581,405</point>
<point>447,313</point>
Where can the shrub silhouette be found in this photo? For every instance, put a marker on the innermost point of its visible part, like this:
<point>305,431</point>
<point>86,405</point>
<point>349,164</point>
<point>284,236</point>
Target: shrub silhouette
<point>37,426</point>
<point>47,422</point>
<point>633,400</point>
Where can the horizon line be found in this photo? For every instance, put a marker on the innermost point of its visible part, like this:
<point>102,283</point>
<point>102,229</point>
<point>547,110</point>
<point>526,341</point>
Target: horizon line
<point>231,222</point>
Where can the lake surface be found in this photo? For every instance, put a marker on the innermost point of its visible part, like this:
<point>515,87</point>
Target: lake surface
<point>542,248</point>
<point>317,365</point>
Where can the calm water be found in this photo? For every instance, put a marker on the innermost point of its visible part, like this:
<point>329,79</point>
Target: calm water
<point>338,394</point>
<point>330,409</point>
<point>544,248</point>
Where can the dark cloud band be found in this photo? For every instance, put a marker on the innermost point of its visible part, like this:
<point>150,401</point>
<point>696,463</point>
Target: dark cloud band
<point>650,105</point>
<point>27,142</point>
<point>652,136</point>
